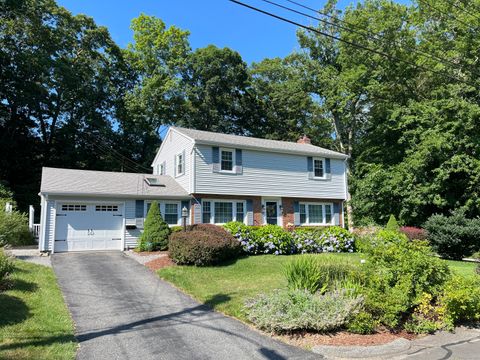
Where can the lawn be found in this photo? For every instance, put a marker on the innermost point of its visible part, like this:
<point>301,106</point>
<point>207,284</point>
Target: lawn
<point>34,320</point>
<point>226,288</point>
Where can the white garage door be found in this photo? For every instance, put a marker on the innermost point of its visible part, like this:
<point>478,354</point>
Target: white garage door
<point>82,227</point>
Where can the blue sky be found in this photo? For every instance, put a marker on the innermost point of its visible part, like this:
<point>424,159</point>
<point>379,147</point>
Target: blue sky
<point>219,22</point>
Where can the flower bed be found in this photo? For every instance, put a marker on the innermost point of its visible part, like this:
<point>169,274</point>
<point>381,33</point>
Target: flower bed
<point>272,239</point>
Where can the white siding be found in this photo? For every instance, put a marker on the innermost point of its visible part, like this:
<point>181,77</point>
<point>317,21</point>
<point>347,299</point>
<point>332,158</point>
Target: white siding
<point>268,174</point>
<point>50,225</point>
<point>173,144</point>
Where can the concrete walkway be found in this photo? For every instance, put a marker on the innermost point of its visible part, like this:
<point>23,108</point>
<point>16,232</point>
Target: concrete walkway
<point>124,311</point>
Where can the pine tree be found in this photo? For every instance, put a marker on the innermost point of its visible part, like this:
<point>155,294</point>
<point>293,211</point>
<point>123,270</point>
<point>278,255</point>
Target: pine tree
<point>392,224</point>
<point>156,231</point>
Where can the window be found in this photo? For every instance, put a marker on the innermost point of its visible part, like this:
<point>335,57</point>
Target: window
<point>180,164</point>
<point>161,169</point>
<point>226,160</point>
<point>303,214</point>
<point>206,212</point>
<point>106,207</point>
<point>74,207</point>
<point>240,212</point>
<point>318,168</point>
<point>328,214</point>
<point>171,214</point>
<point>315,214</point>
<point>223,212</point>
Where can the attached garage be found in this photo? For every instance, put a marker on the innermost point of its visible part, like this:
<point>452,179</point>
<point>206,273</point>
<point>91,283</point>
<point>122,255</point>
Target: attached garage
<point>84,210</point>
<point>82,226</point>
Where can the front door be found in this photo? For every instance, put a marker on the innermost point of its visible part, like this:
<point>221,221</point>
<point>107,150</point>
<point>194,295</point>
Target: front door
<point>271,212</point>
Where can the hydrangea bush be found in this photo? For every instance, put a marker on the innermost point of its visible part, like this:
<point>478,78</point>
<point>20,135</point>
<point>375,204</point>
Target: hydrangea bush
<point>272,239</point>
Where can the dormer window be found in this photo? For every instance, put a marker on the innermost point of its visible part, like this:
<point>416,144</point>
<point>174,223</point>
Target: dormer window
<point>319,168</point>
<point>226,160</point>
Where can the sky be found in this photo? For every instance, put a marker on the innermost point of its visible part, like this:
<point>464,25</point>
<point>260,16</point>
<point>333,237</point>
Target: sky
<point>220,22</point>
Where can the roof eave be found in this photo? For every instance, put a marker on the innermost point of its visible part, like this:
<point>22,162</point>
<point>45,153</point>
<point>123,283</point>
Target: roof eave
<point>128,196</point>
<point>336,155</point>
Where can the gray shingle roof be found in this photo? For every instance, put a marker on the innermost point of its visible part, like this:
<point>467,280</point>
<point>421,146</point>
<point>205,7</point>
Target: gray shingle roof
<point>212,138</point>
<point>105,183</point>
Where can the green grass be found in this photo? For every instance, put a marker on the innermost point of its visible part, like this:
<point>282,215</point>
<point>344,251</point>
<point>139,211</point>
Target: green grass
<point>225,288</point>
<point>34,320</point>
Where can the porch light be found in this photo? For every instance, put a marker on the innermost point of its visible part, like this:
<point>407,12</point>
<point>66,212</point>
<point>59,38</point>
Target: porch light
<point>184,218</point>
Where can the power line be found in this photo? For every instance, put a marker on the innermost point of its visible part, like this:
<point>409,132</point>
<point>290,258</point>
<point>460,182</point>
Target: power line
<point>359,46</point>
<point>374,37</point>
<point>461,8</point>
<point>427,3</point>
<point>124,165</point>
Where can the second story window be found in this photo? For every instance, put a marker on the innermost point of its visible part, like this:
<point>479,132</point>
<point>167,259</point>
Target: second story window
<point>318,168</point>
<point>226,163</point>
<point>180,164</point>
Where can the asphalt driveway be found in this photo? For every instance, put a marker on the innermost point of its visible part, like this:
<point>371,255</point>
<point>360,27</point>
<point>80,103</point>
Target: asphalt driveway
<point>123,311</point>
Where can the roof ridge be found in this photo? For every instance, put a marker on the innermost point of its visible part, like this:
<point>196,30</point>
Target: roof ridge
<point>99,171</point>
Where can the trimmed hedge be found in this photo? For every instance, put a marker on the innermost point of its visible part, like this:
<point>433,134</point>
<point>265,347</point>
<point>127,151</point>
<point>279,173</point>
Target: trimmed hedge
<point>156,231</point>
<point>202,245</point>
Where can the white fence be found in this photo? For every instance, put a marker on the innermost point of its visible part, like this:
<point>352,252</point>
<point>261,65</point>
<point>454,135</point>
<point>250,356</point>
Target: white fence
<point>36,231</point>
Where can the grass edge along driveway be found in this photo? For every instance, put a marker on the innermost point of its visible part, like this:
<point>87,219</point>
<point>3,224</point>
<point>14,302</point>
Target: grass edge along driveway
<point>226,287</point>
<point>34,319</point>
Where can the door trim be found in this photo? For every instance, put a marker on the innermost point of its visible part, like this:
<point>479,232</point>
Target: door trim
<point>279,210</point>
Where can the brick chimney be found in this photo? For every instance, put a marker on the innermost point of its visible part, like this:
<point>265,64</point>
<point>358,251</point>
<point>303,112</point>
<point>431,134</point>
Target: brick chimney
<point>304,140</point>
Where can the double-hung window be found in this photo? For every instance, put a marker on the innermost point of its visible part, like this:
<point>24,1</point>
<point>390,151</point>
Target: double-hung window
<point>315,214</point>
<point>226,160</point>
<point>319,168</point>
<point>206,212</point>
<point>180,161</point>
<point>161,168</point>
<point>223,211</point>
<point>171,214</point>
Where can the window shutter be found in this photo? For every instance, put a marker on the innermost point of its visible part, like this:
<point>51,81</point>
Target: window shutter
<point>328,173</point>
<point>197,210</point>
<point>296,213</point>
<point>175,165</point>
<point>336,213</point>
<point>184,161</point>
<point>238,161</point>
<point>215,159</point>
<point>310,167</point>
<point>249,212</point>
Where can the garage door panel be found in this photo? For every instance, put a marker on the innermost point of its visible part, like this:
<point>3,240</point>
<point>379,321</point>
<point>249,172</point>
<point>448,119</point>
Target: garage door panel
<point>88,227</point>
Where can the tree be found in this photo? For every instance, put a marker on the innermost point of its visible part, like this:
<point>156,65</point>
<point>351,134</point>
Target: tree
<point>288,110</point>
<point>218,92</point>
<point>155,231</point>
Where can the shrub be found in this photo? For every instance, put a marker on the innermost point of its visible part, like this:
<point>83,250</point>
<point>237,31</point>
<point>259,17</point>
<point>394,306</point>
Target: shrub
<point>460,300</point>
<point>274,240</point>
<point>414,233</point>
<point>14,229</point>
<point>203,246</point>
<point>331,239</point>
<point>290,310</point>
<point>362,323</point>
<point>6,266</point>
<point>155,232</point>
<point>397,273</point>
<point>392,224</point>
<point>455,236</point>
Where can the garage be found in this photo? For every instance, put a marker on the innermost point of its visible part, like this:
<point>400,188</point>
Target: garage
<point>87,226</point>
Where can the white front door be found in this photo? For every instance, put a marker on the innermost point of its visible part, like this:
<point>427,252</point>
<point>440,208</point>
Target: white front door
<point>272,211</point>
<point>88,227</point>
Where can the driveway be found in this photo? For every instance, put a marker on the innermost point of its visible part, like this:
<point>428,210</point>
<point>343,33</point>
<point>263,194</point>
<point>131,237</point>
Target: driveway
<point>124,311</point>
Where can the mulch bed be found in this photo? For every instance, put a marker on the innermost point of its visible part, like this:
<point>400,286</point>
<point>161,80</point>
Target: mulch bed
<point>147,253</point>
<point>160,262</point>
<point>309,340</point>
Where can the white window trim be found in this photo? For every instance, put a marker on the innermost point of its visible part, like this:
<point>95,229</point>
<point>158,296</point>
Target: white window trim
<point>177,156</point>
<point>234,209</point>
<point>323,167</point>
<point>161,205</point>
<point>324,214</point>
<point>233,160</point>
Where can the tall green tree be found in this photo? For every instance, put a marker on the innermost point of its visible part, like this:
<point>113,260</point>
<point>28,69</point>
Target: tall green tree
<point>218,92</point>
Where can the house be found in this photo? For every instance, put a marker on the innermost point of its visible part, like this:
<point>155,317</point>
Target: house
<point>215,177</point>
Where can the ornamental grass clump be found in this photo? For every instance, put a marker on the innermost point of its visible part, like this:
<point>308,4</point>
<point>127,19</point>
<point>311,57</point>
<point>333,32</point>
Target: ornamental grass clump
<point>292,310</point>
